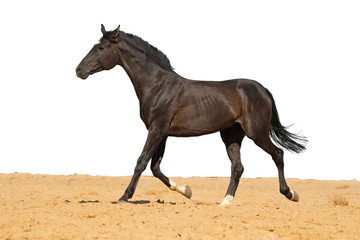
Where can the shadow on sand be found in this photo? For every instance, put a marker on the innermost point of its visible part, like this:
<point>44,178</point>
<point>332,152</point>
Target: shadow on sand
<point>132,202</point>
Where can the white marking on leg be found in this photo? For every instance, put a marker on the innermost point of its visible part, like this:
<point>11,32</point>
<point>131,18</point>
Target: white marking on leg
<point>227,200</point>
<point>295,196</point>
<point>183,189</point>
<point>292,194</point>
<point>172,185</point>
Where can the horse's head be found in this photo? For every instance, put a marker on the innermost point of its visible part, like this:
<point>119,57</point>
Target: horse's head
<point>103,56</point>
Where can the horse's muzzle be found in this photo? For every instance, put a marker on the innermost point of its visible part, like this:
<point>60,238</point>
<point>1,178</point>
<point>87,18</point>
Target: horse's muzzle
<point>81,74</point>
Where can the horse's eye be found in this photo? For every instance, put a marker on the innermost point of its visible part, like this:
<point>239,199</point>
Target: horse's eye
<point>101,48</point>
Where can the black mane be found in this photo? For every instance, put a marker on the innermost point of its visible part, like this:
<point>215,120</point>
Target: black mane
<point>150,50</point>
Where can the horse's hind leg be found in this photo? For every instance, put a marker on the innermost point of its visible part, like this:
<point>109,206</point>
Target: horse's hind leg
<point>232,137</point>
<point>277,155</point>
<point>155,168</point>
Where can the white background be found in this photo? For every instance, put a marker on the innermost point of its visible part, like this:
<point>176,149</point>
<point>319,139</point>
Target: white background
<point>307,53</point>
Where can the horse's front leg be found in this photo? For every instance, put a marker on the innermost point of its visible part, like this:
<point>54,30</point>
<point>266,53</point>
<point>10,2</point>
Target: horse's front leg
<point>154,138</point>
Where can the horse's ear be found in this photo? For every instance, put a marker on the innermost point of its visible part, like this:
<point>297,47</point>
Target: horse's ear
<point>116,32</point>
<point>103,29</point>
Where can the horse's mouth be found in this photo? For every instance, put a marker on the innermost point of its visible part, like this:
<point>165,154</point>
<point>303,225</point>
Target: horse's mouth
<point>83,76</point>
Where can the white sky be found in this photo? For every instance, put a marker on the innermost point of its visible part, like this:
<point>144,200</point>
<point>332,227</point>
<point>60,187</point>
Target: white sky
<point>307,53</point>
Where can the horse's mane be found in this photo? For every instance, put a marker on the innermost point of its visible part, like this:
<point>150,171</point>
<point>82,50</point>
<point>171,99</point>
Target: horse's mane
<point>149,50</point>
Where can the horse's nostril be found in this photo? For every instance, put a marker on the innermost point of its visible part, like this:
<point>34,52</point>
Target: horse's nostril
<point>78,72</point>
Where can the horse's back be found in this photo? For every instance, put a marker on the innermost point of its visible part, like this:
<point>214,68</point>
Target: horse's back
<point>210,106</point>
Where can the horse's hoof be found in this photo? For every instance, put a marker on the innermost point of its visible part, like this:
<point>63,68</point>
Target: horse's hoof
<point>226,201</point>
<point>188,192</point>
<point>294,196</point>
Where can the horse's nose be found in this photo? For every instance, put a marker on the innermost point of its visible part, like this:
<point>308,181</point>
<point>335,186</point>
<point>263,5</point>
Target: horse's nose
<point>79,73</point>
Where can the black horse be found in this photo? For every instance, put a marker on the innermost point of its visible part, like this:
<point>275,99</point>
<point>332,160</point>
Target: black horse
<point>171,105</point>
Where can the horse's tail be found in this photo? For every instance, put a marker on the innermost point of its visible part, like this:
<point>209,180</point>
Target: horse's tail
<point>290,141</point>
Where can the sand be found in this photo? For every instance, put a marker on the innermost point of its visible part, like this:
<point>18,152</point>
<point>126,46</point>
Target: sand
<point>79,207</point>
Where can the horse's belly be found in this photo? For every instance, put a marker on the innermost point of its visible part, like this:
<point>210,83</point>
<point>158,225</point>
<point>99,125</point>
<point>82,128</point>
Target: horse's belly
<point>197,124</point>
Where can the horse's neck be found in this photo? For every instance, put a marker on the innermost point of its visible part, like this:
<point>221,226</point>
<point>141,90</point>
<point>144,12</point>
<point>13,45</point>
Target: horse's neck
<point>144,73</point>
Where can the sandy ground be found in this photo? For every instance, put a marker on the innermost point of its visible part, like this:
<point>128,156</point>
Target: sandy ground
<point>79,207</point>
